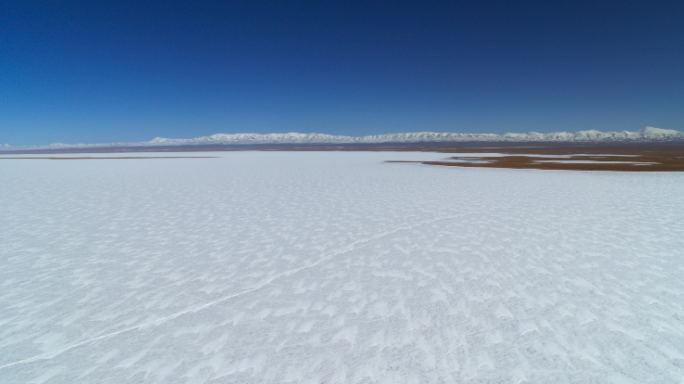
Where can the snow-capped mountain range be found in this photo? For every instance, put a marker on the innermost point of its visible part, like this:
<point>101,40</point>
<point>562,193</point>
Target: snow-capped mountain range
<point>645,134</point>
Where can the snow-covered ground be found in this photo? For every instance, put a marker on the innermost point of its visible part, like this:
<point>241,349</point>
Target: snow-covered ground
<point>335,267</point>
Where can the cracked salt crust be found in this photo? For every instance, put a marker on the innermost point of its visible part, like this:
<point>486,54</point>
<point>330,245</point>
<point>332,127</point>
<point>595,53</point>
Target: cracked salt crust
<point>333,267</point>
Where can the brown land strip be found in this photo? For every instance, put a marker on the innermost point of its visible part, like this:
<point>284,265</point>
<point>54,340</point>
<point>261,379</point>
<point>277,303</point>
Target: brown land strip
<point>660,163</point>
<point>524,162</point>
<point>668,155</point>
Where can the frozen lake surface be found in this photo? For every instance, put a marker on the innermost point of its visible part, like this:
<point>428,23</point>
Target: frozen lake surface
<point>275,267</point>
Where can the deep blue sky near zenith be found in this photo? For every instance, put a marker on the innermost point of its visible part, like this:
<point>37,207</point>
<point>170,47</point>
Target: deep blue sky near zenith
<point>96,72</point>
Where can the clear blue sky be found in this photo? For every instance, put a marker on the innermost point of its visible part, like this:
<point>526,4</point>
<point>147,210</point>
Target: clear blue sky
<point>95,71</point>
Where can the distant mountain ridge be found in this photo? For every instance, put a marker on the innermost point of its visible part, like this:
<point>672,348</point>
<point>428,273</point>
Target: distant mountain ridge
<point>645,134</point>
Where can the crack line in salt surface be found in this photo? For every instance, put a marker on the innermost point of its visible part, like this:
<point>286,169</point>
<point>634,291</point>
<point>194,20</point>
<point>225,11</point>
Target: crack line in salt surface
<point>345,249</point>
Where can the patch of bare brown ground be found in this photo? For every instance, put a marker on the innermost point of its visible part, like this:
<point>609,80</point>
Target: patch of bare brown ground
<point>669,156</point>
<point>107,158</point>
<point>644,157</point>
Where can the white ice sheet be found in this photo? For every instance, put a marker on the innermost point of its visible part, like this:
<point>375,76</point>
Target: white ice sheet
<point>271,267</point>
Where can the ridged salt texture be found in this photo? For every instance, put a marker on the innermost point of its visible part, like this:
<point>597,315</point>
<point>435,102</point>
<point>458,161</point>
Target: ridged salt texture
<point>266,267</point>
